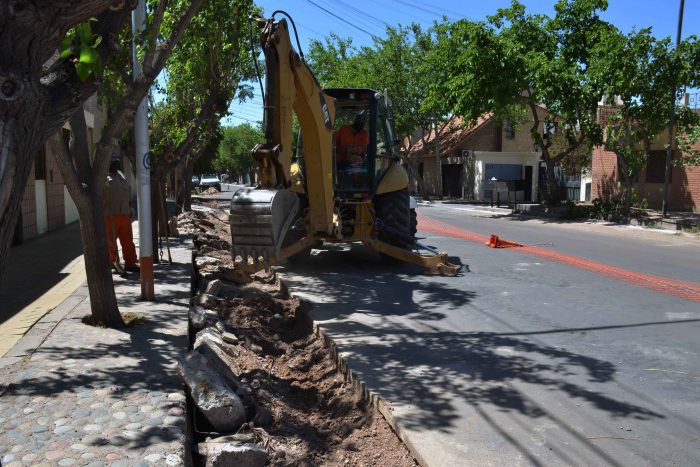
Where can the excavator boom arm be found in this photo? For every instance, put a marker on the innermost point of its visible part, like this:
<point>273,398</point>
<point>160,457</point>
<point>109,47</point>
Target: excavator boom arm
<point>292,88</point>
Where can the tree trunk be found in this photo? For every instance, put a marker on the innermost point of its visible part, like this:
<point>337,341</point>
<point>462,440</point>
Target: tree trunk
<point>627,203</point>
<point>553,194</point>
<point>187,185</point>
<point>85,188</point>
<point>411,165</point>
<point>21,121</point>
<point>103,300</point>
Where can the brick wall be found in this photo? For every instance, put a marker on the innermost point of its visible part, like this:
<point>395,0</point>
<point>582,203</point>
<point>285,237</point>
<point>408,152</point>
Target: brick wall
<point>604,174</point>
<point>521,140</point>
<point>486,138</point>
<point>431,178</point>
<point>684,189</point>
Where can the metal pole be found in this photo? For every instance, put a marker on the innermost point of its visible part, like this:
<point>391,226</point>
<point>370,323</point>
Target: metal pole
<point>143,168</point>
<point>671,122</point>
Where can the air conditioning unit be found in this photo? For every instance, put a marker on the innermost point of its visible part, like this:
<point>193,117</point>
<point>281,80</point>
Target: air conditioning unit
<point>466,153</point>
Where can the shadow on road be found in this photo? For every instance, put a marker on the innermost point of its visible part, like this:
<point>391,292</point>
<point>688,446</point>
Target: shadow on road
<point>408,350</point>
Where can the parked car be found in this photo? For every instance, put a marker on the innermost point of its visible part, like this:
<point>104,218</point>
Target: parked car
<point>195,181</point>
<point>208,181</point>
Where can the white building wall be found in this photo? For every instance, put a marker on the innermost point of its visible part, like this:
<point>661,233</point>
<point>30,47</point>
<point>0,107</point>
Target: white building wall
<point>520,158</point>
<point>586,178</point>
<point>69,208</point>
<point>42,210</point>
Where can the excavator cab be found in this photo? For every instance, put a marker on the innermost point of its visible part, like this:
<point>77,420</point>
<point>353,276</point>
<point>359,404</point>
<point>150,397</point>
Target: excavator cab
<point>364,142</point>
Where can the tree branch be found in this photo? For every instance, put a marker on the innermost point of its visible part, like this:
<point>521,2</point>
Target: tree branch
<point>157,22</point>
<point>579,141</point>
<point>155,59</point>
<point>79,150</point>
<point>70,177</point>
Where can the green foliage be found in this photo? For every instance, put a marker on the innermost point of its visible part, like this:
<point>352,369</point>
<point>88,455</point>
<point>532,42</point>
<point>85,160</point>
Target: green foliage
<point>80,45</point>
<point>641,70</point>
<point>234,151</point>
<point>689,144</point>
<point>208,153</point>
<point>205,72</point>
<point>577,160</point>
<point>573,211</point>
<point>608,209</point>
<point>391,64</point>
<point>518,60</point>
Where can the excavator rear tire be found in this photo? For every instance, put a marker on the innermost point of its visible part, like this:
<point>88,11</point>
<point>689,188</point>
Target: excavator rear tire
<point>393,209</point>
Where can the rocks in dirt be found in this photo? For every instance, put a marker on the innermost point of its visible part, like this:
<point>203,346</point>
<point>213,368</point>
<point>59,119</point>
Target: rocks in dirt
<point>236,276</point>
<point>221,289</point>
<point>211,345</point>
<point>214,398</point>
<point>253,347</point>
<point>232,453</point>
<point>201,317</point>
<point>203,261</point>
<point>230,338</point>
<point>206,300</point>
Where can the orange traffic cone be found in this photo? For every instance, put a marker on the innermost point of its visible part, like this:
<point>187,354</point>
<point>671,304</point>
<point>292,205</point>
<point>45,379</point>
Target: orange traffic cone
<point>495,242</point>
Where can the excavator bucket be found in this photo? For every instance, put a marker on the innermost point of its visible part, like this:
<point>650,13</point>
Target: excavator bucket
<point>259,222</point>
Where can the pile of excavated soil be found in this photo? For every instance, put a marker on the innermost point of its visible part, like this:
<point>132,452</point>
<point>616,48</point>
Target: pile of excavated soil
<point>306,412</point>
<point>210,191</point>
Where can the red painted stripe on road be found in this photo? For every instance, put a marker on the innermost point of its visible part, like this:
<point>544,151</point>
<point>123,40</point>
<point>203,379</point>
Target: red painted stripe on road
<point>687,290</point>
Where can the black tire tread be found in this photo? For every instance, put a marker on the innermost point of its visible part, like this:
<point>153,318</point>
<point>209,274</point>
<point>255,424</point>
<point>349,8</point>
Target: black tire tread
<point>393,209</point>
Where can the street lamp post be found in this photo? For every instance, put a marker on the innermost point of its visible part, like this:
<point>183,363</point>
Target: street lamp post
<point>671,122</point>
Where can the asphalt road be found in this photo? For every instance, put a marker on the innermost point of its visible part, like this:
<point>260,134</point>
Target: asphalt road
<point>535,356</point>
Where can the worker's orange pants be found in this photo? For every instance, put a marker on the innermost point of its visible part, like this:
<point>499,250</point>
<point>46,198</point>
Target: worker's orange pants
<point>122,231</point>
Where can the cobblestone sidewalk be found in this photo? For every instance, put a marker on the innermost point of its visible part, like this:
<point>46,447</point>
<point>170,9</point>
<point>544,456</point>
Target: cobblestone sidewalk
<point>73,394</point>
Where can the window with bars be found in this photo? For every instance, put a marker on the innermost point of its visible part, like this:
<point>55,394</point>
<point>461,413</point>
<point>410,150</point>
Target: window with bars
<point>656,167</point>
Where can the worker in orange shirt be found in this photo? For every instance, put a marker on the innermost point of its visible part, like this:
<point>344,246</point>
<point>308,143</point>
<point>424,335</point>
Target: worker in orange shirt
<point>117,212</point>
<point>351,143</point>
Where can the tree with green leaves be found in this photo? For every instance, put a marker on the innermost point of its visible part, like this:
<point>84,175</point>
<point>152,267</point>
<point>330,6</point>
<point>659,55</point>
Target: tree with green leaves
<point>640,71</point>
<point>234,153</point>
<point>39,91</point>
<point>689,145</point>
<point>391,65</point>
<point>517,60</point>
<point>84,168</point>
<point>205,73</point>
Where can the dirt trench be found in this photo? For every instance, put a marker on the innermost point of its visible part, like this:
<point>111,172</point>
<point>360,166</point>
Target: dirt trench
<point>300,406</point>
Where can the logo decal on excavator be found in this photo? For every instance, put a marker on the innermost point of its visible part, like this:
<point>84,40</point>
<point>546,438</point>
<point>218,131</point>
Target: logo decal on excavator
<point>326,113</point>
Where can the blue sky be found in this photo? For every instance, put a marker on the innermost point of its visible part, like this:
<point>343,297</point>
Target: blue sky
<point>362,18</point>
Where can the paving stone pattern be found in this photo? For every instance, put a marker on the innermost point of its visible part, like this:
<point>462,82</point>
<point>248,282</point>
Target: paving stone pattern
<point>103,397</point>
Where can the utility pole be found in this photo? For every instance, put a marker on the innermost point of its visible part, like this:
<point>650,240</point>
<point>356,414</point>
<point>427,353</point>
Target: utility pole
<point>143,167</point>
<point>671,122</point>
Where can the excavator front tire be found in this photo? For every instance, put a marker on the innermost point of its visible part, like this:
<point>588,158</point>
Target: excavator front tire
<point>393,209</point>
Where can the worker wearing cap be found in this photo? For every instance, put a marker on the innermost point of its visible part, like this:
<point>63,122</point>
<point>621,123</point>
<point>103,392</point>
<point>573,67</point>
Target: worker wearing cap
<point>351,143</point>
<point>117,212</point>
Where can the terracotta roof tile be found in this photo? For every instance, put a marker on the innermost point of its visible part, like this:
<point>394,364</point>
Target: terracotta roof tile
<point>451,135</point>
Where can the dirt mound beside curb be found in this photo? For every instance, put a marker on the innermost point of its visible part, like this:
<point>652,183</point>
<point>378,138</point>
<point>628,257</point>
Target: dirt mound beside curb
<point>300,406</point>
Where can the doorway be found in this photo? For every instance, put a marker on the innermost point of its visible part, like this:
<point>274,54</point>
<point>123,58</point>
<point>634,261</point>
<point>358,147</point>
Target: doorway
<point>452,179</point>
<point>527,189</point>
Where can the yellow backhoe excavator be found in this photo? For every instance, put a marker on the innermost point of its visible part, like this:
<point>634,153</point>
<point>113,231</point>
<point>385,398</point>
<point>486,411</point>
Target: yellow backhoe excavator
<point>343,184</point>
